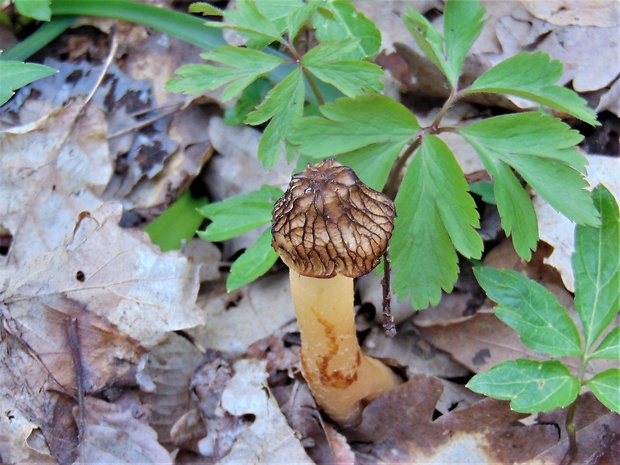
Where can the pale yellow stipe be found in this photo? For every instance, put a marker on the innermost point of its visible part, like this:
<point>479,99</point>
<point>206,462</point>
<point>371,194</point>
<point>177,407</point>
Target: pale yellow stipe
<point>342,379</point>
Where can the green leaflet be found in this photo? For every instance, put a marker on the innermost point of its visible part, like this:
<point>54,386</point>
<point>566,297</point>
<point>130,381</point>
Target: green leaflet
<point>253,263</point>
<point>462,25</point>
<point>179,222</point>
<point>237,215</point>
<point>351,77</point>
<point>284,106</point>
<point>541,149</point>
<point>533,76</point>
<point>15,74</point>
<point>345,22</point>
<point>435,215</point>
<point>531,310</point>
<point>596,265</point>
<point>604,385</point>
<point>529,385</point>
<point>244,67</point>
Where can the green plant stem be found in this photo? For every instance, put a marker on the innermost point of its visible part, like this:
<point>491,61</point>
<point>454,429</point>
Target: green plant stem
<point>570,418</point>
<point>184,26</point>
<point>315,90</point>
<point>38,39</point>
<point>392,184</point>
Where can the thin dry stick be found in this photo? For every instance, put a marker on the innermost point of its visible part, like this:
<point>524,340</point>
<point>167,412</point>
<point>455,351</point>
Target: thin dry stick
<point>78,366</point>
<point>388,319</point>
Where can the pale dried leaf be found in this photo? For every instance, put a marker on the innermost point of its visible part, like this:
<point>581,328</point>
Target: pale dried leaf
<point>601,13</point>
<point>123,278</point>
<point>169,366</point>
<point>51,171</point>
<point>112,435</point>
<point>269,438</point>
<point>240,318</point>
<point>15,433</point>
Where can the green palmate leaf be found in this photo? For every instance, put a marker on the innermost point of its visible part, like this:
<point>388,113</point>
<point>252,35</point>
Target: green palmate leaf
<point>435,215</point>
<point>251,97</point>
<point>345,22</point>
<point>206,9</point>
<point>529,385</point>
<point>244,66</point>
<point>533,76</point>
<point>609,347</point>
<point>351,124</point>
<point>430,41</point>
<point>528,308</point>
<point>596,264</point>
<point>485,190</point>
<point>15,74</point>
<point>249,21</point>
<point>237,215</point>
<point>462,25</point>
<point>37,9</point>
<point>278,12</point>
<point>541,149</point>
<point>253,263</point>
<point>514,206</point>
<point>177,224</point>
<point>351,77</point>
<point>284,105</point>
<point>605,387</point>
<point>297,18</point>
<point>373,163</point>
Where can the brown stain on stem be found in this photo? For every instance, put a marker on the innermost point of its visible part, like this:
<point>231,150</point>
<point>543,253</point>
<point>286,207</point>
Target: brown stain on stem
<point>335,378</point>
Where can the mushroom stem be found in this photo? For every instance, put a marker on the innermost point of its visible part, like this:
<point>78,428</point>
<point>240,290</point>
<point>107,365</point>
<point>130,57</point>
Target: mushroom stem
<point>342,379</point>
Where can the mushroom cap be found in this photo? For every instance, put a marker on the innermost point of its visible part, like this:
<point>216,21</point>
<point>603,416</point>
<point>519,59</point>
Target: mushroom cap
<point>329,222</point>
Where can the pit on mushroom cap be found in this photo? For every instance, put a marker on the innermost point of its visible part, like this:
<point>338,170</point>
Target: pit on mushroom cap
<point>329,222</point>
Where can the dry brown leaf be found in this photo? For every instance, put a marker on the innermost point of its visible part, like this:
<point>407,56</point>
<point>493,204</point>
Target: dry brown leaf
<point>269,438</point>
<point>112,435</point>
<point>399,428</point>
<point>51,172</point>
<point>601,13</point>
<point>118,275</point>
<point>242,317</point>
<point>597,434</point>
<point>166,372</point>
<point>16,433</point>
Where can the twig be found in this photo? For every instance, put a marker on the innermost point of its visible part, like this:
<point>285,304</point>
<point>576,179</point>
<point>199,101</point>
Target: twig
<point>76,353</point>
<point>388,319</point>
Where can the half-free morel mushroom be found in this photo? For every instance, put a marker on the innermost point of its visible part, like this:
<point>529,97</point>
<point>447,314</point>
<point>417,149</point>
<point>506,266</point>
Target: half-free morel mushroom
<point>329,228</point>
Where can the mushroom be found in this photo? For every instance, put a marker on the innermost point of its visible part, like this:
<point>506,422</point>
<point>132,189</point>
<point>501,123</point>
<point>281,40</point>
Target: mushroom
<point>328,228</point>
